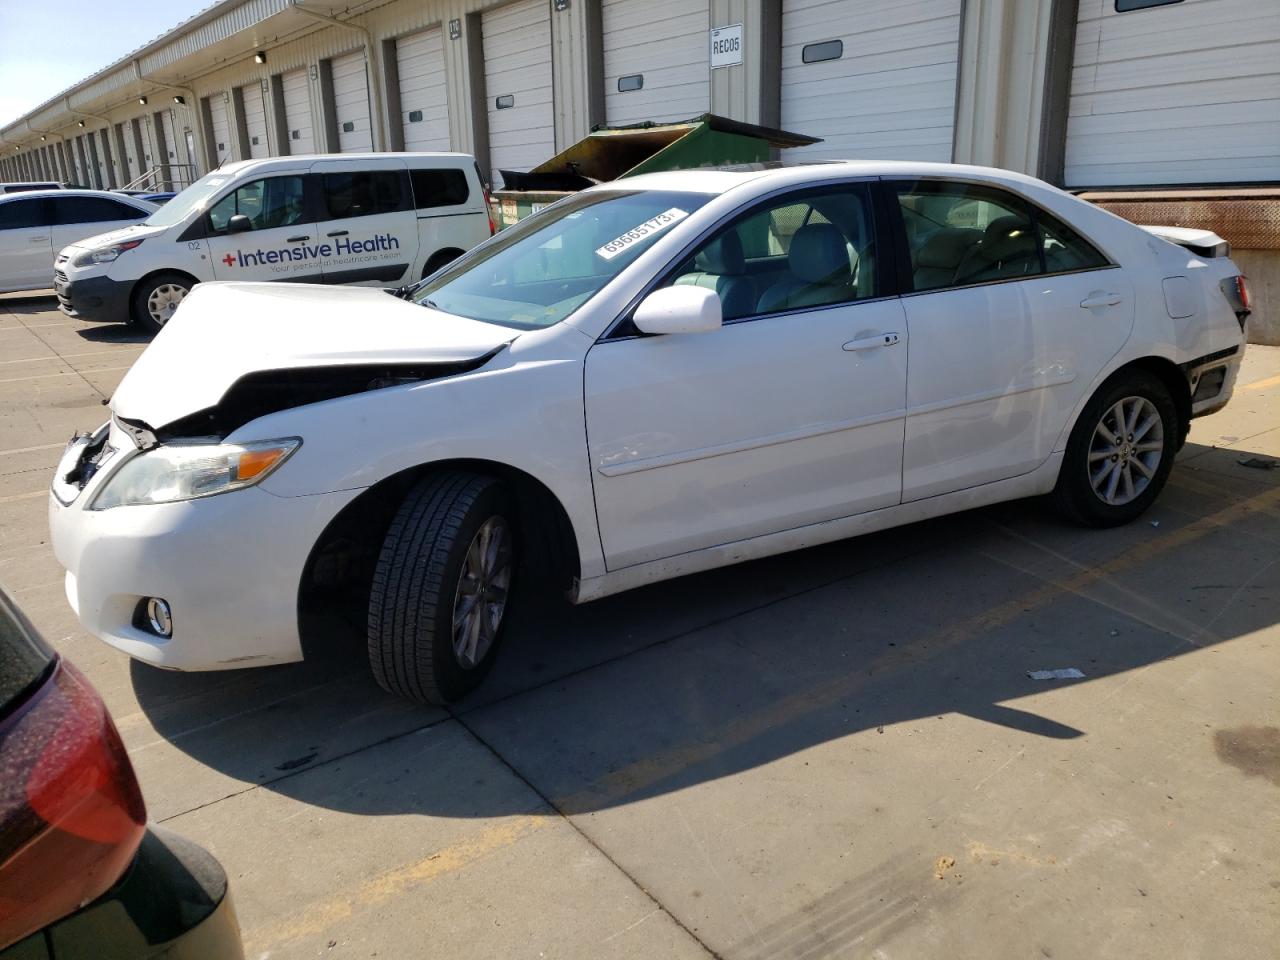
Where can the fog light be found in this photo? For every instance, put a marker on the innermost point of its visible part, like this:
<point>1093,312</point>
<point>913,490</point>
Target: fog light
<point>159,617</point>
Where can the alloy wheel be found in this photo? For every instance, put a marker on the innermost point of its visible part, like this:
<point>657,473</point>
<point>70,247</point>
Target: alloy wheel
<point>1125,451</point>
<point>483,586</point>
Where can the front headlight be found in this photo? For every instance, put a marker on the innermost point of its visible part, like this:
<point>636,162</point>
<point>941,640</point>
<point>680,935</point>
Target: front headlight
<point>103,254</point>
<point>186,471</point>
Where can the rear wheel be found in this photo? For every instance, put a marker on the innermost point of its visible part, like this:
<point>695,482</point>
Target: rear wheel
<point>1120,451</point>
<point>441,258</point>
<point>156,298</point>
<point>442,587</point>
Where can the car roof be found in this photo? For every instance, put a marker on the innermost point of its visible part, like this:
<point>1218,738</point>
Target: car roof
<point>792,173</point>
<point>239,166</point>
<point>109,194</point>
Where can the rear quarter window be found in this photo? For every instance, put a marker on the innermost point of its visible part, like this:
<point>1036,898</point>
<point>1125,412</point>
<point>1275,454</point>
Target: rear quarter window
<point>439,188</point>
<point>24,658</point>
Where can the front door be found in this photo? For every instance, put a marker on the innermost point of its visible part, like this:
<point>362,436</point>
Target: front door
<point>790,414</point>
<point>26,250</point>
<point>1014,314</point>
<point>281,243</point>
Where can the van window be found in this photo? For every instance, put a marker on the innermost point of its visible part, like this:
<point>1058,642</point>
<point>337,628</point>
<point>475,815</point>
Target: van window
<point>22,214</point>
<point>438,188</point>
<point>268,203</point>
<point>92,210</point>
<point>362,193</point>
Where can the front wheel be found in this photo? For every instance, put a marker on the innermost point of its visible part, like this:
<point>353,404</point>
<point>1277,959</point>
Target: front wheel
<point>1120,452</point>
<point>157,298</point>
<point>442,587</point>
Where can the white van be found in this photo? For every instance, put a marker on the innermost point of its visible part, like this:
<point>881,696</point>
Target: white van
<point>376,219</point>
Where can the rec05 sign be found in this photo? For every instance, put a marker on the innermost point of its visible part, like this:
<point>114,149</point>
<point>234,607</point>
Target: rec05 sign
<point>726,46</point>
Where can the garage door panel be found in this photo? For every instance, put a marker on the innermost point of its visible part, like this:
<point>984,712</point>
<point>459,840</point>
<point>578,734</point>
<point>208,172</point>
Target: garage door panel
<point>423,90</point>
<point>892,91</point>
<point>300,132</point>
<point>1157,93</point>
<point>351,102</point>
<point>255,120</point>
<point>665,42</point>
<point>517,55</point>
<point>221,123</point>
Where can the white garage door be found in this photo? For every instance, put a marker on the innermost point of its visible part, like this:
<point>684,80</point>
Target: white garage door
<point>874,80</point>
<point>128,163</point>
<point>351,103</point>
<point>255,120</point>
<point>655,60</point>
<point>297,112</point>
<point>218,115</point>
<point>170,143</point>
<point>1179,94</point>
<point>517,81</point>
<point>424,96</point>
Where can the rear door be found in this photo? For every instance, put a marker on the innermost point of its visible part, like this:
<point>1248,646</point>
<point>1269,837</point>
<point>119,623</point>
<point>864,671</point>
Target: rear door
<point>1012,315</point>
<point>368,229</point>
<point>282,244</point>
<point>77,218</point>
<point>26,250</point>
<point>451,215</point>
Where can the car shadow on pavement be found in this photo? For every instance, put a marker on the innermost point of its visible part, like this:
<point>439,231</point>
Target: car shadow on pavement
<point>114,333</point>
<point>679,683</point>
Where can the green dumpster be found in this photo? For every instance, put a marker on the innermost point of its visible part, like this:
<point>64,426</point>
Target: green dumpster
<point>612,153</point>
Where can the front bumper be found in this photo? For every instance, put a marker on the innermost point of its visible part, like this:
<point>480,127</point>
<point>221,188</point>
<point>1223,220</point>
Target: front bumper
<point>229,566</point>
<point>173,902</point>
<point>92,298</point>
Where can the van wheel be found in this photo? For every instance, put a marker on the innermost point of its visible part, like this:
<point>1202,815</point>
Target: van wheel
<point>442,587</point>
<point>156,298</point>
<point>439,259</point>
<point>1120,451</point>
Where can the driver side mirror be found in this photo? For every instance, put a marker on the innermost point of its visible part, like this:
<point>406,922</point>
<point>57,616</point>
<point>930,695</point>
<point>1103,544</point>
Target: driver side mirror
<point>679,309</point>
<point>239,224</point>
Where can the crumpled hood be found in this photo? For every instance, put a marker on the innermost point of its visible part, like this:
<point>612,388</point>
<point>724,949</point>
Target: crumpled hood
<point>224,331</point>
<point>134,231</point>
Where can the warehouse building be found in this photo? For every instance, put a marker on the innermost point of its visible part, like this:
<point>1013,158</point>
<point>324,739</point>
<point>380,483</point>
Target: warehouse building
<point>1136,102</point>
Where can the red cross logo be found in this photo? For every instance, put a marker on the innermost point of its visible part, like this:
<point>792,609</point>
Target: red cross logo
<point>229,260</point>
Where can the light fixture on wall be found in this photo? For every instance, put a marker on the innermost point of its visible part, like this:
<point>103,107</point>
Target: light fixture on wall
<point>178,99</point>
<point>79,123</point>
<point>44,138</point>
<point>142,101</point>
<point>260,57</point>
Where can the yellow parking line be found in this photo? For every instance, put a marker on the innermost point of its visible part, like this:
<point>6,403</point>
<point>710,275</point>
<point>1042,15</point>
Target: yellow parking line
<point>323,914</point>
<point>43,446</point>
<point>1262,384</point>
<point>13,498</point>
<point>65,373</point>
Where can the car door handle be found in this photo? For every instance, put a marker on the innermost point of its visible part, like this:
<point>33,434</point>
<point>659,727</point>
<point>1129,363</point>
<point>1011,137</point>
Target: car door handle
<point>871,343</point>
<point>337,233</point>
<point>1100,300</point>
<point>302,239</point>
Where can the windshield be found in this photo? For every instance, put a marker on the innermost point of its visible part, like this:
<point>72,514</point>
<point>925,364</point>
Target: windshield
<point>539,271</point>
<point>194,197</point>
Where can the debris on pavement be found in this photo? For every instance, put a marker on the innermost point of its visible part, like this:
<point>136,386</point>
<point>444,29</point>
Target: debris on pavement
<point>1068,673</point>
<point>1258,463</point>
<point>942,866</point>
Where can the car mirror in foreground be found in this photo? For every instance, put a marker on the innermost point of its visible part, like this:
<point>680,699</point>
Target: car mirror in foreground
<point>682,309</point>
<point>239,224</point>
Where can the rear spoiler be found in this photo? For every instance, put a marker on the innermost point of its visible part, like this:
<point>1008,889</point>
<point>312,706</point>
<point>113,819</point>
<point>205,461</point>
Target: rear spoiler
<point>1203,243</point>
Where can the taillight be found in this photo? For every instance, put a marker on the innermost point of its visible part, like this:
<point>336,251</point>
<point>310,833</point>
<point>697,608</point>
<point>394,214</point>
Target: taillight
<point>1236,290</point>
<point>71,813</point>
<point>1242,288</point>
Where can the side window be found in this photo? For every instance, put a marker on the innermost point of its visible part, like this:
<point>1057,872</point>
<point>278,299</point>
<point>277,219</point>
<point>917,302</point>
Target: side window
<point>960,234</point>
<point>92,210</point>
<point>23,214</point>
<point>438,188</point>
<point>268,203</point>
<point>805,250</point>
<point>1064,249</point>
<point>361,193</point>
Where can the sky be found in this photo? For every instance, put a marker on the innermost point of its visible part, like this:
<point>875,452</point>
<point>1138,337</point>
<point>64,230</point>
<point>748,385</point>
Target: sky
<point>46,47</point>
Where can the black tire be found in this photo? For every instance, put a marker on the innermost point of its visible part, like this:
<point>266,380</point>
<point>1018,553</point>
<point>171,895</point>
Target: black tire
<point>140,312</point>
<point>417,584</point>
<point>441,258</point>
<point>1074,494</point>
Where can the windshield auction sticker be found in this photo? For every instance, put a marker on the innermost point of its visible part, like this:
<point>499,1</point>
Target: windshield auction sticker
<point>643,232</point>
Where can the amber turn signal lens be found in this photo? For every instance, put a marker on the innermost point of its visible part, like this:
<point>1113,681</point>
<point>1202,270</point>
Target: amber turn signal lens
<point>254,462</point>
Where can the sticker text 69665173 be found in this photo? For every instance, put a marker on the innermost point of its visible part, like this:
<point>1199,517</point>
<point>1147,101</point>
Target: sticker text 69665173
<point>642,232</point>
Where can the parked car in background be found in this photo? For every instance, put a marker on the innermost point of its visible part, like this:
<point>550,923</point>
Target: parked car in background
<point>81,874</point>
<point>155,196</point>
<point>26,186</point>
<point>640,381</point>
<point>379,219</point>
<point>33,225</point>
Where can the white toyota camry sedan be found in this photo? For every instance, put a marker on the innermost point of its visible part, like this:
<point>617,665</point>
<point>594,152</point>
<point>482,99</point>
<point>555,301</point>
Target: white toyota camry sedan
<point>649,378</point>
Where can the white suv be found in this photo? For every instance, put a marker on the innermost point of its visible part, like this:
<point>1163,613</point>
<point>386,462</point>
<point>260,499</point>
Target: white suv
<point>646,379</point>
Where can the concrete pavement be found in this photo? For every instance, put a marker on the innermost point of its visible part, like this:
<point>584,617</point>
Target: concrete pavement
<point>833,753</point>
